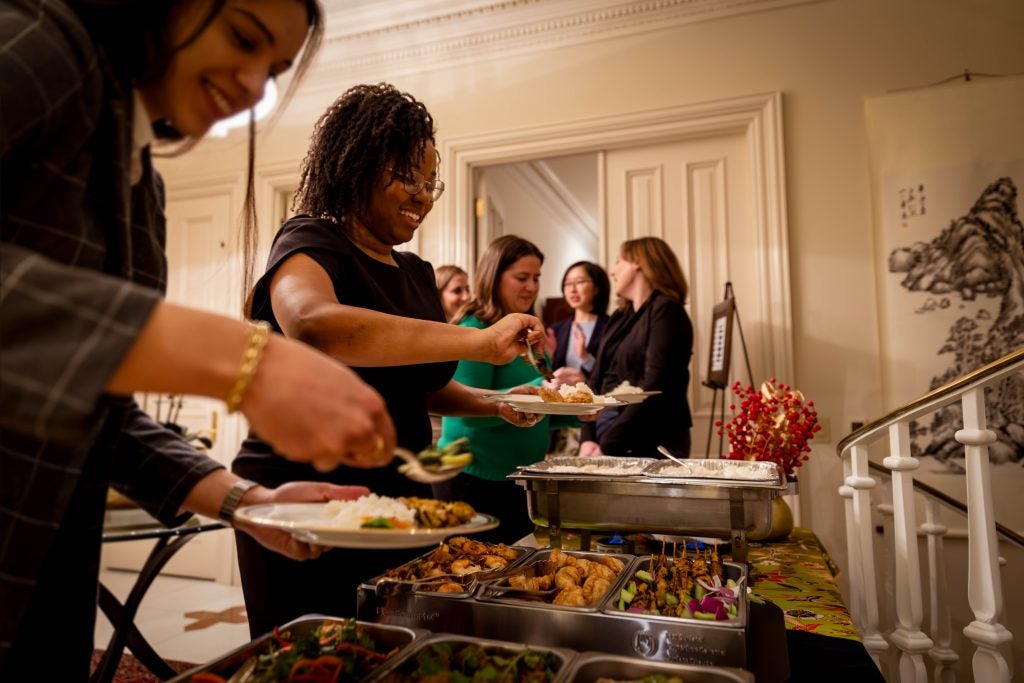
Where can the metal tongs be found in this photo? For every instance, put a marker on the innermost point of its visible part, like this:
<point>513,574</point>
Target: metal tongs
<point>388,586</point>
<point>537,361</point>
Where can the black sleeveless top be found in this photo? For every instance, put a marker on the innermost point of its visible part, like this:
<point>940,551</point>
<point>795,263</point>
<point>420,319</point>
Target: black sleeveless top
<point>408,290</point>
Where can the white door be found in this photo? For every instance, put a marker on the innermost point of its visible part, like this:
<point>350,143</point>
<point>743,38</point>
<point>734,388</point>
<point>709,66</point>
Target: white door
<point>204,271</point>
<point>697,195</point>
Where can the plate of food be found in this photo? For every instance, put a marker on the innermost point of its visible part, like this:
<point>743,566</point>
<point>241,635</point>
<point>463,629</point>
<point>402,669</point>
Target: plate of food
<point>627,393</point>
<point>370,522</point>
<point>566,400</point>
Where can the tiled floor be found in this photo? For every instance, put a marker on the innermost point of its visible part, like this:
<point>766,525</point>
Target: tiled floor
<point>162,620</point>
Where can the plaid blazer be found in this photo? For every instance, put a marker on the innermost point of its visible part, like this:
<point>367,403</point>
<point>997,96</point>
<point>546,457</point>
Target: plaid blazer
<point>82,265</point>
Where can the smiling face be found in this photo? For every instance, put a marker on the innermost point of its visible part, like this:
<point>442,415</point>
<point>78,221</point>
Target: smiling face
<point>579,289</point>
<point>226,68</point>
<point>393,214</point>
<point>519,285</point>
<point>455,293</point>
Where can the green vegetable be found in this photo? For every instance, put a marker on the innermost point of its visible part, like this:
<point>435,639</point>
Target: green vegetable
<point>460,445</point>
<point>644,576</point>
<point>625,596</point>
<point>377,523</point>
<point>671,599</point>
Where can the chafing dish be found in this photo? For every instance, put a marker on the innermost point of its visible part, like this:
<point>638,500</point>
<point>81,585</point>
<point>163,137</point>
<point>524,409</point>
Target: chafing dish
<point>386,637</point>
<point>401,666</point>
<point>614,631</point>
<point>690,506</point>
<point>590,666</point>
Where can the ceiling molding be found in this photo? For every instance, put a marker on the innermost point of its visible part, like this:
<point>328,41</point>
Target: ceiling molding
<point>367,40</point>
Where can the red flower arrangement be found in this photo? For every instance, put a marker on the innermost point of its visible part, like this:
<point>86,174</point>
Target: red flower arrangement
<point>773,424</point>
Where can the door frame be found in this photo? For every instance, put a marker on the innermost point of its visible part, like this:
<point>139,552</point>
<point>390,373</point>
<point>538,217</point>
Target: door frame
<point>758,117</point>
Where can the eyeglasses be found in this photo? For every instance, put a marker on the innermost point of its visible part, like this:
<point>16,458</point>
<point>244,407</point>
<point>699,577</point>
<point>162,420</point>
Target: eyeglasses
<point>578,284</point>
<point>416,184</point>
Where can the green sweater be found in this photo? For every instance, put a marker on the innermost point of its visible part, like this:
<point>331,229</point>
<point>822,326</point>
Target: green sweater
<point>497,446</point>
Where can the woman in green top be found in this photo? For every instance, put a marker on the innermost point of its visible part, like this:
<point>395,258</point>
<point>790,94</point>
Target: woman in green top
<point>507,280</point>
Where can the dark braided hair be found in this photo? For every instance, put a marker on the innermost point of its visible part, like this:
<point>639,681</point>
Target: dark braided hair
<point>367,129</point>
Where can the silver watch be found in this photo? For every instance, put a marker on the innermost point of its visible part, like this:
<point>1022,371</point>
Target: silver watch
<point>231,501</point>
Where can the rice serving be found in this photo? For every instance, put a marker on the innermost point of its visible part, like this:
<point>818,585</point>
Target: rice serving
<point>352,514</point>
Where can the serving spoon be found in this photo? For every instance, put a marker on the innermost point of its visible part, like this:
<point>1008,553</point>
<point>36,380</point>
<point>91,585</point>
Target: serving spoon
<point>664,451</point>
<point>414,469</point>
<point>538,362</point>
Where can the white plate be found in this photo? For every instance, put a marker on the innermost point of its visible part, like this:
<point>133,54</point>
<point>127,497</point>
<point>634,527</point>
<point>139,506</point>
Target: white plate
<point>307,522</point>
<point>532,403</point>
<point>633,398</point>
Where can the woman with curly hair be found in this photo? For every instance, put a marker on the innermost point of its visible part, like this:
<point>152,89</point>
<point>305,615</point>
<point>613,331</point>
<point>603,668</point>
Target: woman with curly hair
<point>335,281</point>
<point>648,341</point>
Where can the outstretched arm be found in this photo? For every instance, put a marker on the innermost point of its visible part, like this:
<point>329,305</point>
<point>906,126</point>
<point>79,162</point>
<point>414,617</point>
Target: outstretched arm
<point>307,308</point>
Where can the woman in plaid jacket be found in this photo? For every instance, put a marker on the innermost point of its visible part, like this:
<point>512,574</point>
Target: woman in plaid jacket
<point>83,86</point>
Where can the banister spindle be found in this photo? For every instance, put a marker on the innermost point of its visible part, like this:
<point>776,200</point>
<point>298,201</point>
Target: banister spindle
<point>908,636</point>
<point>984,588</point>
<point>939,626</point>
<point>861,541</point>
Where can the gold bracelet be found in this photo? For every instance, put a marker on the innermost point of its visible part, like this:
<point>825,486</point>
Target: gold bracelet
<point>259,333</point>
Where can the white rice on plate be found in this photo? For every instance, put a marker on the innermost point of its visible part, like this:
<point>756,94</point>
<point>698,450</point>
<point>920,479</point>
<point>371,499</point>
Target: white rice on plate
<point>352,514</point>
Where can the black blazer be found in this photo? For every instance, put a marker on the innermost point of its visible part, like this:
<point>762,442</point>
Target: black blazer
<point>563,335</point>
<point>651,348</point>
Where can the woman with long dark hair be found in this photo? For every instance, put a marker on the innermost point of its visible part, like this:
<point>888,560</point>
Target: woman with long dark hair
<point>86,89</point>
<point>507,281</point>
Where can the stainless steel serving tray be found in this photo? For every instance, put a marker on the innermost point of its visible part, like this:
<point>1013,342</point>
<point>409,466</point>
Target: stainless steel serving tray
<point>728,509</point>
<point>588,667</point>
<point>487,592</point>
<point>403,664</point>
<point>599,466</point>
<point>732,570</point>
<point>748,472</point>
<point>386,637</point>
<point>521,552</point>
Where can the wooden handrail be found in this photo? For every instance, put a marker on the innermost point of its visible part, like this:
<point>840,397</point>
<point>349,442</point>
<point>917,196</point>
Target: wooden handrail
<point>935,399</point>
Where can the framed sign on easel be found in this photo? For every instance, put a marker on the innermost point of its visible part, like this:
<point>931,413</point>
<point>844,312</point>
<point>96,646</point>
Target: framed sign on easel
<point>719,360</point>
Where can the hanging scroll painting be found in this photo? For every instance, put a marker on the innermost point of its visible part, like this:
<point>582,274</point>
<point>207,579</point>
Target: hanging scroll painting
<point>948,174</point>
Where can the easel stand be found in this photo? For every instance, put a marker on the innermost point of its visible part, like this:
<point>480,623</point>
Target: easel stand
<point>721,355</point>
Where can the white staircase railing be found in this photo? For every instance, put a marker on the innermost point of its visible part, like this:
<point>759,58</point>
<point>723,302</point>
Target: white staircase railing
<point>986,632</point>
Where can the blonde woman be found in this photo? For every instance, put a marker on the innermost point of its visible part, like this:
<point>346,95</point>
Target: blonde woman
<point>648,341</point>
<point>453,288</point>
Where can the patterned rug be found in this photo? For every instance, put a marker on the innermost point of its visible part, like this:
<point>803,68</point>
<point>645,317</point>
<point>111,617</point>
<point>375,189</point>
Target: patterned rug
<point>131,670</point>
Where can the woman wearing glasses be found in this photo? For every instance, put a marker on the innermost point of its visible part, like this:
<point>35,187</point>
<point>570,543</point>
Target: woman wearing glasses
<point>574,341</point>
<point>335,281</point>
<point>586,289</point>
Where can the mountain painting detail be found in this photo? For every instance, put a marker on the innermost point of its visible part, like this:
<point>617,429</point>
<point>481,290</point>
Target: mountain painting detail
<point>979,254</point>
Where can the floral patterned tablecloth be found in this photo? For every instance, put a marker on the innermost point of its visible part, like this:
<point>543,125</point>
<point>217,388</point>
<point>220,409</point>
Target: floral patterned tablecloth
<point>799,577</point>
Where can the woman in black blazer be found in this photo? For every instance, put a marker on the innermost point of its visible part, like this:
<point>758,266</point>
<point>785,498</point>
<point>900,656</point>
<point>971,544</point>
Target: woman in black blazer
<point>647,342</point>
<point>587,290</point>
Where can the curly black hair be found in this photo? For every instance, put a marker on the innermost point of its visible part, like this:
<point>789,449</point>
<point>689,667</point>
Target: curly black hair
<point>368,128</point>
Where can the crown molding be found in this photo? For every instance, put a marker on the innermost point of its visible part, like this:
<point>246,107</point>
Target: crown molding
<point>382,40</point>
